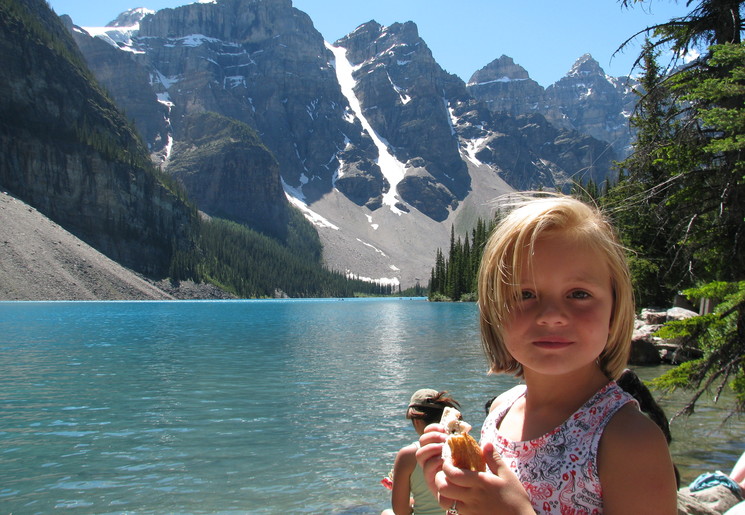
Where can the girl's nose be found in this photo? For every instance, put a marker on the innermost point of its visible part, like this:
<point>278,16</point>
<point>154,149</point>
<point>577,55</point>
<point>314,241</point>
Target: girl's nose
<point>550,312</point>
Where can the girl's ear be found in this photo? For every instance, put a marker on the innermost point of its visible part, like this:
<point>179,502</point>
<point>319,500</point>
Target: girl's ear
<point>419,425</point>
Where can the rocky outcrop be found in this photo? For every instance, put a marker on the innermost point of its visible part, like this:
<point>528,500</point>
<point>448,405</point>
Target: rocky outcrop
<point>506,87</point>
<point>67,151</point>
<point>263,64</point>
<point>229,173</point>
<point>404,95</point>
<point>716,500</point>
<point>591,102</point>
<point>648,349</point>
<point>528,152</point>
<point>128,83</point>
<point>371,118</point>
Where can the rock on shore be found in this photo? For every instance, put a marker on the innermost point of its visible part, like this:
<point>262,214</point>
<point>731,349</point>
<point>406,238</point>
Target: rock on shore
<point>647,349</point>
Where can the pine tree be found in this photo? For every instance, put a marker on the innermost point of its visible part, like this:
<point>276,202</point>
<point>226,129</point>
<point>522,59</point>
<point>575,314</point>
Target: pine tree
<point>637,202</point>
<point>703,191</point>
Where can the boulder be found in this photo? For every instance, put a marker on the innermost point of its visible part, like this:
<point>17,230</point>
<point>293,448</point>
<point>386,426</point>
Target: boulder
<point>644,342</point>
<point>711,501</point>
<point>643,352</point>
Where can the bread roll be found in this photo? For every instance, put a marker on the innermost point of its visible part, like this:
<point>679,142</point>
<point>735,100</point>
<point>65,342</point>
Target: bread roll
<point>462,448</point>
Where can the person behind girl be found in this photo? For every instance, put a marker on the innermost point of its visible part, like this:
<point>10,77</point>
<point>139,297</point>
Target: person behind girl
<point>557,311</point>
<point>425,407</point>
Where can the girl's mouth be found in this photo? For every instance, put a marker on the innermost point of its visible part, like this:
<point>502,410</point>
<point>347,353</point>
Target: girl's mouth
<point>552,343</point>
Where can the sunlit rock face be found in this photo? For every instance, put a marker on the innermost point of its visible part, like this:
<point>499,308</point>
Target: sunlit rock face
<point>586,100</point>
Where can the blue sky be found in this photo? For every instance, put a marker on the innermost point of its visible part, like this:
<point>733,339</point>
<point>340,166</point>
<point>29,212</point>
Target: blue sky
<point>543,36</point>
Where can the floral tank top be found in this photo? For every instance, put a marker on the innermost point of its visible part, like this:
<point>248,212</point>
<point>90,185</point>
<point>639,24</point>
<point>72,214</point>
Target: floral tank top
<point>559,469</point>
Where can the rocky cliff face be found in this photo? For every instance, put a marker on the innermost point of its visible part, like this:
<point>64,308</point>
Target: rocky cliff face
<point>586,100</point>
<point>590,101</point>
<point>68,152</point>
<point>404,96</point>
<point>230,174</point>
<point>128,83</point>
<point>261,63</point>
<point>506,87</point>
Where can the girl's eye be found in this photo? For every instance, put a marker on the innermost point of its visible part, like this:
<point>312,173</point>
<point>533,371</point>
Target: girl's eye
<point>580,294</point>
<point>526,295</point>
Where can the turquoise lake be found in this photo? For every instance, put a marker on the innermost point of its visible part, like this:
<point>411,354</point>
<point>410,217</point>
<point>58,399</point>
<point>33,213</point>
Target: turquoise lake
<point>281,407</point>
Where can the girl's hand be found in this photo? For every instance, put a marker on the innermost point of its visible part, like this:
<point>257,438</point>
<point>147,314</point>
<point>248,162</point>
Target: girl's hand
<point>496,491</point>
<point>429,455</point>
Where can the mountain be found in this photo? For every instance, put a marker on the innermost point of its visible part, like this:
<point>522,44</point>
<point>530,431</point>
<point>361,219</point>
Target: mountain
<point>586,99</point>
<point>86,206</point>
<point>68,152</point>
<point>381,149</point>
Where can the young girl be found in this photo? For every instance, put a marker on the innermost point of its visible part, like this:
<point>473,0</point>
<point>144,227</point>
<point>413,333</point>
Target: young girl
<point>425,407</point>
<point>557,311</point>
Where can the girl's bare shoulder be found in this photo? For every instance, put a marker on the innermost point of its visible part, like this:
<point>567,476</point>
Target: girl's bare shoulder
<point>631,427</point>
<point>634,457</point>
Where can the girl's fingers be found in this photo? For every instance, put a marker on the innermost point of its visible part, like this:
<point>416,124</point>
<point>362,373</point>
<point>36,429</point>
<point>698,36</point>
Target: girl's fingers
<point>457,476</point>
<point>433,428</point>
<point>497,465</point>
<point>426,455</point>
<point>447,491</point>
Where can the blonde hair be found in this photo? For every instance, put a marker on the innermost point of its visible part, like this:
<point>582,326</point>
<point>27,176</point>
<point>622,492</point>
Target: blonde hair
<point>514,239</point>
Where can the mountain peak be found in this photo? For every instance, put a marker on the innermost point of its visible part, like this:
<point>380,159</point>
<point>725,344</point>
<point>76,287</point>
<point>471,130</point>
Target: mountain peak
<point>130,17</point>
<point>501,69</point>
<point>585,65</point>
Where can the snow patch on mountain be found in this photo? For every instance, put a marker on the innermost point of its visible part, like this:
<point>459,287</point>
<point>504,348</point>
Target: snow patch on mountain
<point>393,169</point>
<point>297,199</point>
<point>118,37</point>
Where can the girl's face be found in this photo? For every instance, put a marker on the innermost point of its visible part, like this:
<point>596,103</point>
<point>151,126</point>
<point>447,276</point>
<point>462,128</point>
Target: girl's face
<point>561,323</point>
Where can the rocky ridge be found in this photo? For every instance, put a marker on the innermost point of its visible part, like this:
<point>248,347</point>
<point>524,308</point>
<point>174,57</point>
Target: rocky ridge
<point>586,100</point>
<point>406,139</point>
<point>260,66</point>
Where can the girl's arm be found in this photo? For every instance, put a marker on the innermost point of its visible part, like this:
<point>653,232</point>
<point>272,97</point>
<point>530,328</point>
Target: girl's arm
<point>403,466</point>
<point>635,467</point>
<point>738,472</point>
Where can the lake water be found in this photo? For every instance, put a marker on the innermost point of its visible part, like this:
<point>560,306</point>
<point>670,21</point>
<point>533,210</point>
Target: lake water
<point>290,406</point>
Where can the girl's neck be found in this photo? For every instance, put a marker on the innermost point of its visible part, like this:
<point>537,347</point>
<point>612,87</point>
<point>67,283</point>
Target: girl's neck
<point>564,393</point>
<point>549,401</point>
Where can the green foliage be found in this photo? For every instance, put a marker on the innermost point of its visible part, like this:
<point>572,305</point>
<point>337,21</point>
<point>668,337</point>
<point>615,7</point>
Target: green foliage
<point>679,200</point>
<point>251,265</point>
<point>678,377</point>
<point>710,22</point>
<point>415,291</point>
<point>711,181</point>
<point>721,336</point>
<point>19,14</point>
<point>455,277</point>
<point>684,186</point>
<point>637,202</point>
<point>302,237</point>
